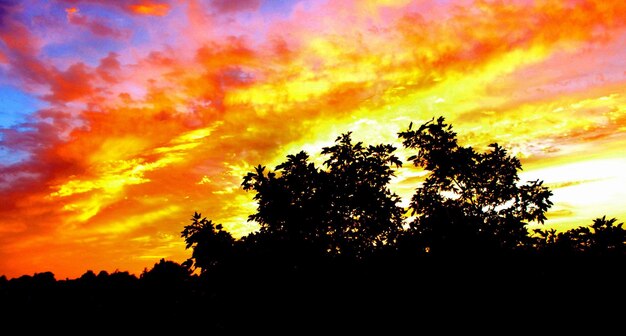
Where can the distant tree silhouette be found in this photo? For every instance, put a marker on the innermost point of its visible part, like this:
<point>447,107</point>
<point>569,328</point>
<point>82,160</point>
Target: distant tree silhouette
<point>44,279</point>
<point>469,201</point>
<point>88,276</point>
<point>103,274</point>
<point>4,287</point>
<point>545,241</point>
<point>166,285</point>
<point>211,244</point>
<point>166,272</point>
<point>344,210</point>
<point>602,238</point>
<point>605,237</point>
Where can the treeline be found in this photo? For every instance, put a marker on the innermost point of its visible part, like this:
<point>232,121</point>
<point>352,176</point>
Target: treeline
<point>469,205</point>
<point>336,236</point>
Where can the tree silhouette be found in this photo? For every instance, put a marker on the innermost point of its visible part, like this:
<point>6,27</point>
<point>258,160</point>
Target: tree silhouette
<point>345,210</point>
<point>469,201</point>
<point>89,277</point>
<point>606,237</point>
<point>602,238</point>
<point>168,283</point>
<point>166,272</point>
<point>211,244</point>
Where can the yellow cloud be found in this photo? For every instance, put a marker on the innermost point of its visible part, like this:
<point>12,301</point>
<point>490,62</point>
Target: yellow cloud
<point>109,178</point>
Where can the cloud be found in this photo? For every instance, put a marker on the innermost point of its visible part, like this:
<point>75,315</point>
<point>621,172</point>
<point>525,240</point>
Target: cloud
<point>231,6</point>
<point>96,26</point>
<point>6,7</point>
<point>15,35</point>
<point>71,84</point>
<point>109,67</point>
<point>135,7</point>
<point>150,8</point>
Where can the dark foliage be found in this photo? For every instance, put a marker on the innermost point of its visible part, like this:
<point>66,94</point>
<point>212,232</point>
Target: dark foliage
<point>603,238</point>
<point>211,244</point>
<point>470,202</point>
<point>345,210</point>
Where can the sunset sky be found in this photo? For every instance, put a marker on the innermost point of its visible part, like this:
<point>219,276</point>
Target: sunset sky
<point>119,119</point>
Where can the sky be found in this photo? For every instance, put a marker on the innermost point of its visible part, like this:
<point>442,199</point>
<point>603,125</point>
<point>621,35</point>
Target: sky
<point>120,119</point>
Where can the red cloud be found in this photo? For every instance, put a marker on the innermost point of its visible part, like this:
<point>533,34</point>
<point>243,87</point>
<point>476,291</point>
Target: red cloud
<point>16,36</point>
<point>72,84</point>
<point>230,6</point>
<point>108,67</point>
<point>98,27</point>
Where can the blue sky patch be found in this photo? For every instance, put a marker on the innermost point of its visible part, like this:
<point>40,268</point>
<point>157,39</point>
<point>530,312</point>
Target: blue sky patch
<point>16,105</point>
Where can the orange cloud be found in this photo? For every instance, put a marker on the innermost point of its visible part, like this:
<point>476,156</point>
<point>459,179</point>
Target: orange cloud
<point>153,9</point>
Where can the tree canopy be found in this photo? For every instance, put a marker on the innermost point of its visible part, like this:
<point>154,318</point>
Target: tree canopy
<point>604,237</point>
<point>470,201</point>
<point>211,244</point>
<point>344,209</point>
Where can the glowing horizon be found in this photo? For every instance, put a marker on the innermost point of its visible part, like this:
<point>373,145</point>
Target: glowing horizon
<point>122,118</point>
